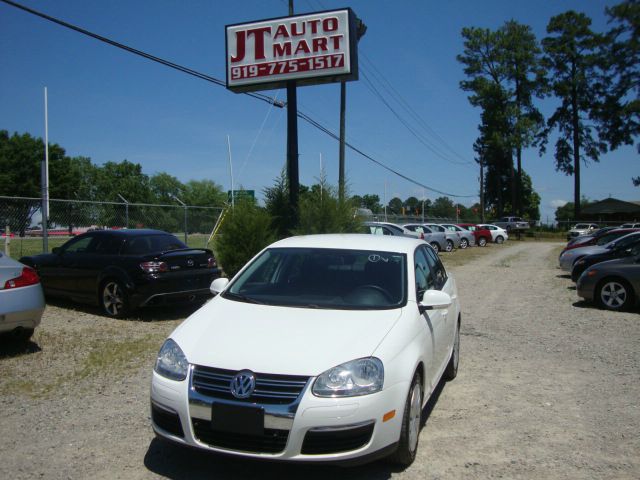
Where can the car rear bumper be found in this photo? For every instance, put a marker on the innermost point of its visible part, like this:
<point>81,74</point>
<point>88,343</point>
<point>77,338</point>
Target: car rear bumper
<point>172,288</point>
<point>21,307</point>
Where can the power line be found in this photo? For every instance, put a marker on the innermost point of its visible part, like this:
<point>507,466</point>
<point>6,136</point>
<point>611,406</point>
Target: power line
<point>219,82</point>
<point>140,53</point>
<point>407,125</point>
<point>388,86</point>
<point>311,121</point>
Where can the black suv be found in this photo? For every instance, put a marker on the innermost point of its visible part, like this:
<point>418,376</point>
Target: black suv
<point>120,270</point>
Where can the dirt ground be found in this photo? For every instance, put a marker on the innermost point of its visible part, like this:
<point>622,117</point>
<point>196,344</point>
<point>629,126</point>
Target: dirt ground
<point>548,387</point>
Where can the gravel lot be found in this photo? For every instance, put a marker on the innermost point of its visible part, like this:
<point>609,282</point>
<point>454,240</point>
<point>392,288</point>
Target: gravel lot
<point>548,387</point>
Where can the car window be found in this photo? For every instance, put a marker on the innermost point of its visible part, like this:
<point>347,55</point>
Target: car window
<point>107,245</point>
<point>142,244</point>
<point>436,267</point>
<point>323,278</point>
<point>78,245</point>
<point>424,279</point>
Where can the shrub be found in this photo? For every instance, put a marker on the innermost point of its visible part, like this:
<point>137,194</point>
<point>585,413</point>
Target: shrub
<point>244,232</point>
<point>321,211</point>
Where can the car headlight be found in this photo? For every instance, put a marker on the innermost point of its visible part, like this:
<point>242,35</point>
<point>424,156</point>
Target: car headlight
<point>357,377</point>
<point>171,362</point>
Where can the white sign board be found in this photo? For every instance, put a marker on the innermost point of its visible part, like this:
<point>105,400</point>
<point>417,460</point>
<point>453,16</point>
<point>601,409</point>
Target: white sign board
<point>311,48</point>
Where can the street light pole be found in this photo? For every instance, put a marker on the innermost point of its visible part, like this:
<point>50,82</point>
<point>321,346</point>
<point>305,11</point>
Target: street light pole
<point>126,209</point>
<point>185,215</point>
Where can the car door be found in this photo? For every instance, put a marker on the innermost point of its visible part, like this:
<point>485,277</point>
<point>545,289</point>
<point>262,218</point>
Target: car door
<point>58,274</point>
<point>76,260</point>
<point>433,319</point>
<point>445,327</point>
<point>101,253</point>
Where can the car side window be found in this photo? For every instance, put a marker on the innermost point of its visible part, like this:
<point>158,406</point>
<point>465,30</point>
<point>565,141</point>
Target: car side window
<point>107,245</point>
<point>386,231</point>
<point>80,245</point>
<point>424,280</point>
<point>436,267</point>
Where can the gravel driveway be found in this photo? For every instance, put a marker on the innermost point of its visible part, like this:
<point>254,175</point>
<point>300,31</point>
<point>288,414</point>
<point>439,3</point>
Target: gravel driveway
<point>548,387</point>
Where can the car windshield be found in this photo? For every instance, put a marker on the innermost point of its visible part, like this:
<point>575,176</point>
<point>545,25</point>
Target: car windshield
<point>152,243</point>
<point>610,237</point>
<point>624,241</point>
<point>323,278</point>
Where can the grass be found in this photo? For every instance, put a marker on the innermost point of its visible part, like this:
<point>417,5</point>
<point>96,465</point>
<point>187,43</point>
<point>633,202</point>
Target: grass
<point>105,356</point>
<point>461,256</point>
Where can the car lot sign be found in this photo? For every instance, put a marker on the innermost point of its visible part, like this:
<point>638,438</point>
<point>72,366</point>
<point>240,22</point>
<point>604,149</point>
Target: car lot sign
<point>310,49</point>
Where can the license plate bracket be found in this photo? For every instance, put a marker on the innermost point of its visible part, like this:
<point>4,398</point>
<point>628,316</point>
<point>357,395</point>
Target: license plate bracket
<point>245,420</point>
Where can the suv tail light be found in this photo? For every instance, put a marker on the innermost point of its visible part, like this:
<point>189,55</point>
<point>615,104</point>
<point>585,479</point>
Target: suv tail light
<point>154,267</point>
<point>211,262</point>
<point>26,278</point>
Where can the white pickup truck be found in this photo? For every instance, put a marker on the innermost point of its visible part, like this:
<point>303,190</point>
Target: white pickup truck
<point>512,224</point>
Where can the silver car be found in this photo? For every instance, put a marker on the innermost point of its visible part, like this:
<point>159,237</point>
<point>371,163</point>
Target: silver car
<point>385,228</point>
<point>21,299</point>
<point>438,240</point>
<point>466,237</point>
<point>452,238</point>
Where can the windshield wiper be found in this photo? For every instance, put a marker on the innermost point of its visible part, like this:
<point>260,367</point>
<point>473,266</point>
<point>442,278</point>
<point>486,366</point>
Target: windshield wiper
<point>242,298</point>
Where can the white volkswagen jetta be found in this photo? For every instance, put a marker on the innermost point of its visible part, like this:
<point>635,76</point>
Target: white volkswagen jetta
<point>322,348</point>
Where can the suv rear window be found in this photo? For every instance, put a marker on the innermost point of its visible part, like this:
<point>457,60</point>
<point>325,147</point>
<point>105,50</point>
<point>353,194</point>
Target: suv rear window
<point>152,243</point>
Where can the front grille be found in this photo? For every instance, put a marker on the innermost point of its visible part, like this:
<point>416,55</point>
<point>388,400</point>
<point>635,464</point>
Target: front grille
<point>166,420</point>
<point>272,441</point>
<point>319,442</point>
<point>270,389</point>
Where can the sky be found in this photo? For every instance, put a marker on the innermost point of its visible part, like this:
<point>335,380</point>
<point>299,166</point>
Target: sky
<point>110,105</point>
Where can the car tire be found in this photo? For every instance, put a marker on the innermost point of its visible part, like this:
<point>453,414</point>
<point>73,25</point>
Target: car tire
<point>411,423</point>
<point>499,239</point>
<point>614,294</point>
<point>449,247</point>
<point>482,242</point>
<point>114,299</point>
<point>464,243</point>
<point>22,335</point>
<point>451,371</point>
<point>435,246</point>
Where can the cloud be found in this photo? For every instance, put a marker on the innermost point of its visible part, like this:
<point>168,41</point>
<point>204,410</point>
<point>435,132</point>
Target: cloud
<point>557,203</point>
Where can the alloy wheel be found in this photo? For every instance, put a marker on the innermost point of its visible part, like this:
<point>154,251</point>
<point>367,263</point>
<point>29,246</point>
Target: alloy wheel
<point>613,295</point>
<point>113,298</point>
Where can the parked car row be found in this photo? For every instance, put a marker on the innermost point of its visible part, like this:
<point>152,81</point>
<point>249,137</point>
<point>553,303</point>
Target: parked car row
<point>605,266</point>
<point>442,237</point>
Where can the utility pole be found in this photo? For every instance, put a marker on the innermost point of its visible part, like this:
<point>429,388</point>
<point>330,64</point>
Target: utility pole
<point>361,29</point>
<point>44,172</point>
<point>292,143</point>
<point>233,203</point>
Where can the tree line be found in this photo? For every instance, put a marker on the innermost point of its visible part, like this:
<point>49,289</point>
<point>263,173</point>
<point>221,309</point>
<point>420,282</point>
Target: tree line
<point>593,76</point>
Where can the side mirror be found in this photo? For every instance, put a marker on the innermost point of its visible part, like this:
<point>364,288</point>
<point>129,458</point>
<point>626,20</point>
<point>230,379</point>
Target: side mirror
<point>218,285</point>
<point>434,299</point>
<point>56,250</point>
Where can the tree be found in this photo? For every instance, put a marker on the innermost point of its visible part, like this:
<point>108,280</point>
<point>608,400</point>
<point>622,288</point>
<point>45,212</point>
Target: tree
<point>395,205</point>
<point>504,74</point>
<point>372,202</point>
<point>443,208</point>
<point>618,108</point>
<point>570,56</point>
<point>567,211</point>
<point>412,205</point>
<point>525,74</point>
<point>321,211</point>
<point>276,199</point>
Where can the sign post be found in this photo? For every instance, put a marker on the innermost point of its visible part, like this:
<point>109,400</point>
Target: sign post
<point>286,52</point>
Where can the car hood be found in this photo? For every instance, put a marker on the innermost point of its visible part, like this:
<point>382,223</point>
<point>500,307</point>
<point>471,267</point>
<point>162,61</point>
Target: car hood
<point>590,250</point>
<point>270,339</point>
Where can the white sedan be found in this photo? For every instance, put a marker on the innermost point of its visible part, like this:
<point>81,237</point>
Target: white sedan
<point>322,348</point>
<point>498,234</point>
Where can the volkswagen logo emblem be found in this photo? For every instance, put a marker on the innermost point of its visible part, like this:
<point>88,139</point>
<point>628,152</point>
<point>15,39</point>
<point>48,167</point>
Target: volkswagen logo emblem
<point>243,384</point>
<point>190,263</point>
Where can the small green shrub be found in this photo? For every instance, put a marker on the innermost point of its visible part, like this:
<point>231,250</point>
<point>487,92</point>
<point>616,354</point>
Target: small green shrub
<point>321,211</point>
<point>245,231</point>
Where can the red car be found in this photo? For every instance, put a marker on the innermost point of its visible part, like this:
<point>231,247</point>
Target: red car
<point>482,235</point>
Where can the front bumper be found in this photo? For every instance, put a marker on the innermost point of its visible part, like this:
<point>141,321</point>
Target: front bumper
<point>585,287</point>
<point>311,429</point>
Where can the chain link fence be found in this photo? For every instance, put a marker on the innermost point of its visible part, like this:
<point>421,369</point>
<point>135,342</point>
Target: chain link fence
<point>23,217</point>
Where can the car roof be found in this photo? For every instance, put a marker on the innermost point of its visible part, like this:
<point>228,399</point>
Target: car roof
<point>133,232</point>
<point>352,241</point>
